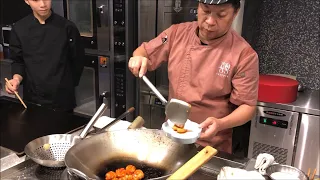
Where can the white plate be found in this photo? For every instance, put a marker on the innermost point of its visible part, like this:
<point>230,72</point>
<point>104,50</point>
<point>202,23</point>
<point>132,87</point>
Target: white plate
<point>189,137</point>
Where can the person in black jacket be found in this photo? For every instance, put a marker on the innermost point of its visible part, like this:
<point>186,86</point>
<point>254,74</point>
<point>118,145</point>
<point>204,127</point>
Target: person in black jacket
<point>48,57</point>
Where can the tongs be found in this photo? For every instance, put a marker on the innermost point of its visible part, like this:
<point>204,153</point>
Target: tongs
<point>177,111</point>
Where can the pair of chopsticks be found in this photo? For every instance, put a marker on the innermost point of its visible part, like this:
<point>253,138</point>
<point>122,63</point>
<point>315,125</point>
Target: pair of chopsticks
<point>15,92</point>
<point>313,174</point>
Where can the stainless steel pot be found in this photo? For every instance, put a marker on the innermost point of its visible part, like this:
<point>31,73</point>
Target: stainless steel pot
<point>93,157</point>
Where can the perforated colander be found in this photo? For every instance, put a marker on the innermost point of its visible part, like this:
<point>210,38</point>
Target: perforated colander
<point>50,150</point>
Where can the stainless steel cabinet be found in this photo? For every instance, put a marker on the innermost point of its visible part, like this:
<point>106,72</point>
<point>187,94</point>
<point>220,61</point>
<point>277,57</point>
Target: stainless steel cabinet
<point>308,146</point>
<point>273,131</point>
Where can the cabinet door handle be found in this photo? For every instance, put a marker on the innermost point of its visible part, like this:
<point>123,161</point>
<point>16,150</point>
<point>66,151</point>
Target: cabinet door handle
<point>291,121</point>
<point>256,119</point>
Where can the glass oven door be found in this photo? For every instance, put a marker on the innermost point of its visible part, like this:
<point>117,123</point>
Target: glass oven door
<point>93,21</point>
<point>87,92</point>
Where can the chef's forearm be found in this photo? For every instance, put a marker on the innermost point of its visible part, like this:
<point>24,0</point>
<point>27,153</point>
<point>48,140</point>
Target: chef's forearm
<point>140,51</point>
<point>238,117</point>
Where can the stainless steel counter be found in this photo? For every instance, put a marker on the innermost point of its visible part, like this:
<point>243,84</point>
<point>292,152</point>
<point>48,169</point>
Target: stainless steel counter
<point>27,169</point>
<point>9,159</point>
<point>307,102</point>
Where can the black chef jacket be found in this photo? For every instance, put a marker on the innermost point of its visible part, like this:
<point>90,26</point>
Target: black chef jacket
<point>50,58</point>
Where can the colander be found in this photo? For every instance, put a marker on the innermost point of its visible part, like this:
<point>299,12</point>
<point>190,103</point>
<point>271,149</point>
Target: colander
<point>50,150</point>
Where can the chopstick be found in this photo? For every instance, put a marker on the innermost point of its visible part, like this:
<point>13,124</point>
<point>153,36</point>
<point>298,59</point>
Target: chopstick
<point>313,174</point>
<point>15,92</point>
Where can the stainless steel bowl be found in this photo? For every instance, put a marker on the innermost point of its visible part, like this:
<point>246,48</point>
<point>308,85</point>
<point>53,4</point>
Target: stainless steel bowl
<point>286,169</point>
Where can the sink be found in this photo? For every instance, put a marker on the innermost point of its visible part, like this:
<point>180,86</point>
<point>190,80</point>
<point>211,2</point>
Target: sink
<point>212,168</point>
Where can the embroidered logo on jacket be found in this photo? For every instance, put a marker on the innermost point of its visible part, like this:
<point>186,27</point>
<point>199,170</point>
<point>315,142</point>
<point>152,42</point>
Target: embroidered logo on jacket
<point>224,69</point>
<point>164,39</point>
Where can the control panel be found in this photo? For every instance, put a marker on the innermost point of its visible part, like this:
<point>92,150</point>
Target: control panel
<point>274,122</point>
<point>119,34</point>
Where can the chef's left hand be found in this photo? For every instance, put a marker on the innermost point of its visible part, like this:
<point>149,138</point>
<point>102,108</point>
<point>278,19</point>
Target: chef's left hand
<point>210,127</point>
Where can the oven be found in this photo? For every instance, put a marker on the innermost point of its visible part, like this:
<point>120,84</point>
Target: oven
<point>93,21</point>
<point>92,89</point>
<point>108,32</point>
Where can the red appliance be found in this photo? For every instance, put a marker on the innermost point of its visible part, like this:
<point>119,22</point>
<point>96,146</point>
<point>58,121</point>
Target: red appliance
<point>277,89</point>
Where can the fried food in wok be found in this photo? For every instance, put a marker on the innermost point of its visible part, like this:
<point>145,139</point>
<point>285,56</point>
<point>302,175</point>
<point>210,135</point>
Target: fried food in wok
<point>128,173</point>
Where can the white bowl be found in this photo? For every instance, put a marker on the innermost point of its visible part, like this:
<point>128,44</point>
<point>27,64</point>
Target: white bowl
<point>190,137</point>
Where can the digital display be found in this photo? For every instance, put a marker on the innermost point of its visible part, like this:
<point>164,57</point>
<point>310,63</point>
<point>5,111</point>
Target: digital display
<point>274,122</point>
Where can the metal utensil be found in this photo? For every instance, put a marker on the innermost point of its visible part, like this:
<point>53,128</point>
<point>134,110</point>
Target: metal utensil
<point>154,89</point>
<point>286,169</point>
<point>50,150</point>
<point>176,110</point>
<point>130,110</point>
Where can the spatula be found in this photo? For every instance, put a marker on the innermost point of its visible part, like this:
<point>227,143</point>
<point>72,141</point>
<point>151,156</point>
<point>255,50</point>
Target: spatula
<point>176,110</point>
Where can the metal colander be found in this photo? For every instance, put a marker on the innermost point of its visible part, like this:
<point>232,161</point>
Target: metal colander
<point>50,150</point>
<point>55,152</point>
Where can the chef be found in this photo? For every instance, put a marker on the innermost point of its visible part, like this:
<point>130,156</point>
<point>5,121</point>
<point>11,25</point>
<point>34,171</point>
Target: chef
<point>48,58</point>
<point>210,66</point>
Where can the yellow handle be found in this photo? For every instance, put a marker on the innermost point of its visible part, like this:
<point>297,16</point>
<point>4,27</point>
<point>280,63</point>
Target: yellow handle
<point>137,123</point>
<point>194,163</point>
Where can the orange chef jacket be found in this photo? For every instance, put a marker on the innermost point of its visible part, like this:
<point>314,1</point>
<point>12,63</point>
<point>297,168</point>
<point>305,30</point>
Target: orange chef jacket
<point>212,78</point>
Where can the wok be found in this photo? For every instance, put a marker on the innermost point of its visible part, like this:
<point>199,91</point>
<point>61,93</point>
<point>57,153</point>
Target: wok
<point>148,149</point>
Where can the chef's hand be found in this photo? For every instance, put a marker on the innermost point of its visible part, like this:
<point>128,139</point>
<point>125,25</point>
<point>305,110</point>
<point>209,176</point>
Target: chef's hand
<point>138,65</point>
<point>13,86</point>
<point>210,127</point>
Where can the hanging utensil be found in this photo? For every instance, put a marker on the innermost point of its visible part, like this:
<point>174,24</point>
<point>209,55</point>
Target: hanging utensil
<point>50,150</point>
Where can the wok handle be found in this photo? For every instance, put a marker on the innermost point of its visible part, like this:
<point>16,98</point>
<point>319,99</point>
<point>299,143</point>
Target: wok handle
<point>137,123</point>
<point>78,173</point>
<point>93,120</point>
<point>194,163</point>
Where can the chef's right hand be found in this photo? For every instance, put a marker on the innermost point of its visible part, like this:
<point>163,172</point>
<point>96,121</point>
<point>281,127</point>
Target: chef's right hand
<point>13,86</point>
<point>138,65</point>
